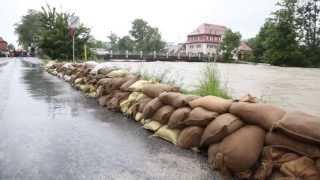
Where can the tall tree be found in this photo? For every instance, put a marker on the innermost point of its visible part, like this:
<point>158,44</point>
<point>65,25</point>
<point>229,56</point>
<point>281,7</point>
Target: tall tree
<point>125,43</point>
<point>283,47</point>
<point>231,41</point>
<point>146,38</point>
<point>113,41</point>
<point>55,40</point>
<point>28,29</point>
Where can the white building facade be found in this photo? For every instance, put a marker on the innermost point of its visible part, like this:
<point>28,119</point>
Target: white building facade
<point>205,40</point>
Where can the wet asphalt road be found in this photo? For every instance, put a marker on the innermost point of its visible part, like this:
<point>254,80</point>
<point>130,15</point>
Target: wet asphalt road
<point>48,130</point>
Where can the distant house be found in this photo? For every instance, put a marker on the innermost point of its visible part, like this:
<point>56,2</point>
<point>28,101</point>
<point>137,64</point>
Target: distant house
<point>3,45</point>
<point>243,52</point>
<point>205,39</point>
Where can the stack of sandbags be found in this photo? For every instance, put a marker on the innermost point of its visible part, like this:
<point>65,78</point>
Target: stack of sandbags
<point>243,139</point>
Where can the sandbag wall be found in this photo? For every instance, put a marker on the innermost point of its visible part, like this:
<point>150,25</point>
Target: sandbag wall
<point>242,138</point>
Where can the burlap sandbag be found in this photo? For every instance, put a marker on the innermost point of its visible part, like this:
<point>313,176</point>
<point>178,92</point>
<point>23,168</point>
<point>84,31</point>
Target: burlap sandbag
<point>263,115</point>
<point>105,71</point>
<point>200,117</point>
<point>139,116</point>
<point>152,126</point>
<point>104,81</point>
<point>221,127</point>
<point>172,98</point>
<point>177,118</point>
<point>151,107</point>
<point>114,103</point>
<point>212,103</point>
<point>133,109</point>
<point>118,73</point>
<point>102,100</point>
<point>300,126</point>
<point>117,82</point>
<point>163,114</point>
<point>302,168</point>
<point>272,158</point>
<point>138,85</point>
<point>154,90</point>
<point>189,98</point>
<point>125,86</point>
<point>143,102</point>
<point>168,134</point>
<point>239,151</point>
<point>190,137</point>
<point>276,139</point>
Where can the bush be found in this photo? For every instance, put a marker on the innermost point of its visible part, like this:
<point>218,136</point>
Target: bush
<point>210,83</point>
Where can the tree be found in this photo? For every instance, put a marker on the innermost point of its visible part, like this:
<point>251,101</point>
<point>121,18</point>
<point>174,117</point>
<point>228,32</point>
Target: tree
<point>55,40</point>
<point>146,38</point>
<point>125,43</point>
<point>231,41</point>
<point>308,22</point>
<point>113,42</point>
<point>11,47</point>
<point>28,30</point>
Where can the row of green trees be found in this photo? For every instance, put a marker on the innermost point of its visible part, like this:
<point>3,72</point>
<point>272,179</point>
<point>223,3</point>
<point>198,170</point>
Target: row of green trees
<point>48,31</point>
<point>291,36</point>
<point>142,37</point>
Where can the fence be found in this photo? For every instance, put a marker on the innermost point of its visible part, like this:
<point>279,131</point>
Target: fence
<point>159,57</point>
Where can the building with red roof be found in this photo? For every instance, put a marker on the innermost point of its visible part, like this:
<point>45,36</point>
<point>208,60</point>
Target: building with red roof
<point>3,45</point>
<point>205,39</point>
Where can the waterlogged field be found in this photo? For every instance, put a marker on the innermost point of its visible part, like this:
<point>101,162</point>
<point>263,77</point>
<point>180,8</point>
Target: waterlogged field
<point>290,88</point>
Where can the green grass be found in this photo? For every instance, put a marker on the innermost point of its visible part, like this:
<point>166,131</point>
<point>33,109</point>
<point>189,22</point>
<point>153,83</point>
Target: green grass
<point>210,83</point>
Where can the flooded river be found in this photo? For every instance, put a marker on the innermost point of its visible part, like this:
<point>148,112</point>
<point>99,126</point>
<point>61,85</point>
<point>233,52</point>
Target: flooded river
<point>290,88</point>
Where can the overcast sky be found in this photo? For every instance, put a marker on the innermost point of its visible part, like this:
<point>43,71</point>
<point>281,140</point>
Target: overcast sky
<point>174,18</point>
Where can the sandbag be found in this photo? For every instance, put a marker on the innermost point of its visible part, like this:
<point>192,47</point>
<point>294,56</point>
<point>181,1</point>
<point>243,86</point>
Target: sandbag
<point>248,98</point>
<point>212,103</point>
<point>154,90</point>
<point>189,98</point>
<point>263,115</point>
<point>200,117</point>
<point>78,81</point>
<point>125,86</point>
<point>173,99</point>
<point>133,109</point>
<point>118,73</point>
<point>239,151</point>
<point>151,107</point>
<point>300,126</point>
<point>152,126</point>
<point>168,134</point>
<point>138,85</point>
<point>117,82</point>
<point>177,118</point>
<point>102,100</point>
<point>143,102</point>
<point>276,139</point>
<point>190,137</point>
<point>221,127</point>
<point>302,168</point>
<point>114,103</point>
<point>104,71</point>
<point>163,114</point>
<point>138,117</point>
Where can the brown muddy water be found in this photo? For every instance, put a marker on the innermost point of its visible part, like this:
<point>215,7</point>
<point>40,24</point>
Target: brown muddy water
<point>290,88</point>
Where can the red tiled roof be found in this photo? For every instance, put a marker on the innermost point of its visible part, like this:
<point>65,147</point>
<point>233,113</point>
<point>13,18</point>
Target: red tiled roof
<point>209,29</point>
<point>244,47</point>
<point>2,40</point>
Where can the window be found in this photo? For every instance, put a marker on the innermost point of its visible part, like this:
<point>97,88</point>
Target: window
<point>191,46</point>
<point>199,46</point>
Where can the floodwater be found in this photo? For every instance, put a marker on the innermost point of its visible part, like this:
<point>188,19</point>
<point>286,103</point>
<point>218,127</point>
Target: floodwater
<point>51,131</point>
<point>290,88</point>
